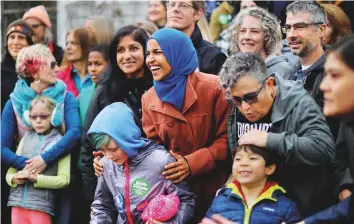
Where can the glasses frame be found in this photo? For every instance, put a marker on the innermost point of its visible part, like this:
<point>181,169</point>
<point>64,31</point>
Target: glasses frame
<point>286,28</point>
<point>249,98</point>
<point>180,5</point>
<point>40,116</point>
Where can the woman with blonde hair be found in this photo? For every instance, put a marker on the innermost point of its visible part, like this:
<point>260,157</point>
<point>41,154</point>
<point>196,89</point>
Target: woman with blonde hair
<point>37,69</point>
<point>102,27</point>
<point>73,69</point>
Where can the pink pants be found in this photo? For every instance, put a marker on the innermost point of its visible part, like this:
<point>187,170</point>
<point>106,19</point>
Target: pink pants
<point>27,216</point>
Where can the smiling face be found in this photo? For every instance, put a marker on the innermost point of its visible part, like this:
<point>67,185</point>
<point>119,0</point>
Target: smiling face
<point>114,153</point>
<point>40,117</point>
<point>15,42</point>
<point>157,12</point>
<point>156,61</point>
<point>251,36</point>
<point>305,40</point>
<point>130,57</point>
<point>38,29</point>
<point>337,88</point>
<point>248,85</point>
<point>47,74</point>
<point>249,168</point>
<point>183,16</point>
<point>96,65</point>
<point>73,49</point>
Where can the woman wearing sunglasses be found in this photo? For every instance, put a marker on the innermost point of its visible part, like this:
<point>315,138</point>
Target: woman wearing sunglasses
<point>37,69</point>
<point>279,115</point>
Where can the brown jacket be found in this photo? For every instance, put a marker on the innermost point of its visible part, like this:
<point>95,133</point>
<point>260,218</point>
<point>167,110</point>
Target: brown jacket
<point>199,133</point>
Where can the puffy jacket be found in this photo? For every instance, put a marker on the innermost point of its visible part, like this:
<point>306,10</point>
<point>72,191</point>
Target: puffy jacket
<point>145,181</point>
<point>271,206</point>
<point>38,196</point>
<point>299,135</point>
<point>210,57</point>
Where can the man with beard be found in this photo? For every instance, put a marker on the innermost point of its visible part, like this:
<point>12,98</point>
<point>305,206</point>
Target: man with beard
<point>304,27</point>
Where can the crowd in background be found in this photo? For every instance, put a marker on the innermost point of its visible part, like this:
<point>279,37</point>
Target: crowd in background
<point>207,112</point>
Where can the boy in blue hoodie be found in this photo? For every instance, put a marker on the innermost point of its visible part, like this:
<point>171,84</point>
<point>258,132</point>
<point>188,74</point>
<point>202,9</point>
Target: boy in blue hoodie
<point>133,169</point>
<point>252,197</point>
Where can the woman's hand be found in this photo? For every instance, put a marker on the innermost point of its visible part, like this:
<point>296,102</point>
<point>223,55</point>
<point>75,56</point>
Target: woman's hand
<point>19,178</point>
<point>36,165</point>
<point>177,171</point>
<point>97,165</point>
<point>153,222</point>
<point>216,219</point>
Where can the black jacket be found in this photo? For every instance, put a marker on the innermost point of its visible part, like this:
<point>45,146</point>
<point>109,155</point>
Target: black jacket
<point>8,78</point>
<point>131,95</point>
<point>56,51</point>
<point>210,57</point>
<point>313,78</point>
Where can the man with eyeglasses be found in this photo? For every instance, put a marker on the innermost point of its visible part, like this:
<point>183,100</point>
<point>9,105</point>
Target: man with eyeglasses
<point>183,15</point>
<point>279,115</point>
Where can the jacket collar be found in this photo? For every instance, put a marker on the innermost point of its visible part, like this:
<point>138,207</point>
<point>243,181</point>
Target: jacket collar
<point>270,191</point>
<point>196,37</point>
<point>189,99</point>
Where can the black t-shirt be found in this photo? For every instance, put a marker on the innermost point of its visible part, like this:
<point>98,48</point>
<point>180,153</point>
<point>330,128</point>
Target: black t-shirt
<point>243,125</point>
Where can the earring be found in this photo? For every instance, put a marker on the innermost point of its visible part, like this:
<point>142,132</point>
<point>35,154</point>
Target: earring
<point>37,81</point>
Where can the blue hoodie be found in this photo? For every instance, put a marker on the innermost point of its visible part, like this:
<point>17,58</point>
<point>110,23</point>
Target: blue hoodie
<point>117,121</point>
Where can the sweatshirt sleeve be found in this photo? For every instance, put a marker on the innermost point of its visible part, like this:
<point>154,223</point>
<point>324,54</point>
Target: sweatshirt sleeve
<point>12,171</point>
<point>103,208</point>
<point>337,213</point>
<point>8,127</point>
<point>61,180</point>
<point>72,134</point>
<point>309,142</point>
<point>205,159</point>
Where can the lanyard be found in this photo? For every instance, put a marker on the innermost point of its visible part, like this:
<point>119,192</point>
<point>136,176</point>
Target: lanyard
<point>127,192</point>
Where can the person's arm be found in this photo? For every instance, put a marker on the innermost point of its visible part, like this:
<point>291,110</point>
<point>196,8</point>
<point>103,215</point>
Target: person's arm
<point>72,134</point>
<point>103,208</point>
<point>204,160</point>
<point>12,171</point>
<point>293,214</point>
<point>8,131</point>
<point>61,180</point>
<point>337,213</point>
<point>310,143</point>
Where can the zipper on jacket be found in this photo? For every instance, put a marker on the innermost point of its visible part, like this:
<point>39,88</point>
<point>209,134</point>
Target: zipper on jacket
<point>26,184</point>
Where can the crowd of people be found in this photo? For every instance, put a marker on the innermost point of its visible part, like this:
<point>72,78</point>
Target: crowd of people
<point>243,114</point>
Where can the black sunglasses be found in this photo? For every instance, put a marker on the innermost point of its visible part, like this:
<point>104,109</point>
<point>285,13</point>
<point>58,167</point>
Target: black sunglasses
<point>41,117</point>
<point>53,64</point>
<point>248,98</point>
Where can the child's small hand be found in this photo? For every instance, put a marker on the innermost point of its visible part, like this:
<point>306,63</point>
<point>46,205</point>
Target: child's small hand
<point>216,219</point>
<point>19,178</point>
<point>97,165</point>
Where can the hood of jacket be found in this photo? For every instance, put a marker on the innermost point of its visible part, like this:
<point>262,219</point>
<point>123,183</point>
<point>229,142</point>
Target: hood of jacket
<point>289,93</point>
<point>117,121</point>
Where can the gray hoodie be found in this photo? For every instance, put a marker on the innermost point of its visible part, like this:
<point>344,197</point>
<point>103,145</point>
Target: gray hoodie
<point>301,137</point>
<point>146,181</point>
<point>280,66</point>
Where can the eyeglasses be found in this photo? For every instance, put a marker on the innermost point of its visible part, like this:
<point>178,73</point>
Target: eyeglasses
<point>297,27</point>
<point>53,64</point>
<point>249,98</point>
<point>182,5</point>
<point>41,117</point>
<point>35,26</point>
